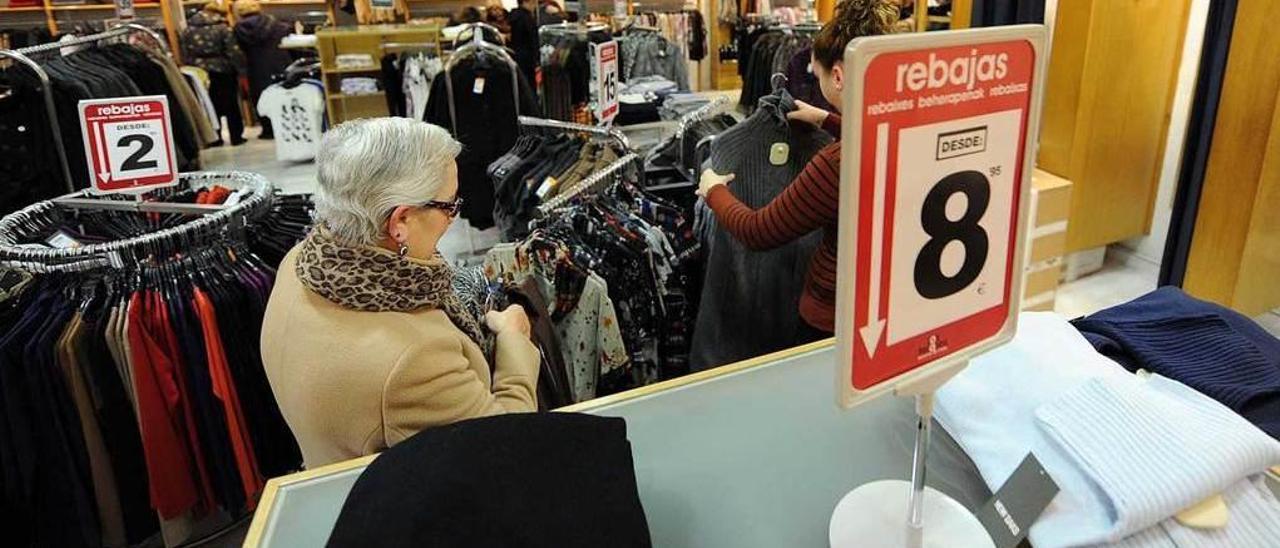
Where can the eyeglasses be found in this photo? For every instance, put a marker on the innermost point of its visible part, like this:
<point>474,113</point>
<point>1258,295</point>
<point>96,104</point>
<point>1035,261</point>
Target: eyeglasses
<point>451,208</point>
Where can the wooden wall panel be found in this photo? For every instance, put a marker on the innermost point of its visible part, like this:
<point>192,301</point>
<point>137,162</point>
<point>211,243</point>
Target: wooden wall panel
<point>1062,98</point>
<point>961,14</point>
<point>1113,69</point>
<point>1233,258</point>
<point>1126,93</point>
<point>1258,289</point>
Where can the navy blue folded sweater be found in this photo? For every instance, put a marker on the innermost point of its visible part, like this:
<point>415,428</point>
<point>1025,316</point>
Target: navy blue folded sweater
<point>1210,348</point>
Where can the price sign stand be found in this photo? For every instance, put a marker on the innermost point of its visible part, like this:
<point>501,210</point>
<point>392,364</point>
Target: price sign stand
<point>935,176</point>
<point>605,80</point>
<point>128,143</point>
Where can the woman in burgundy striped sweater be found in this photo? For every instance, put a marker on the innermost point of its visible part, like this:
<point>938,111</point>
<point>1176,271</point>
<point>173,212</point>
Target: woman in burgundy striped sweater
<point>811,201</point>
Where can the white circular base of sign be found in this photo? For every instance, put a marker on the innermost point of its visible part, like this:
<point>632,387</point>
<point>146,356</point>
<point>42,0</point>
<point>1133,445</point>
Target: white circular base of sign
<point>875,514</point>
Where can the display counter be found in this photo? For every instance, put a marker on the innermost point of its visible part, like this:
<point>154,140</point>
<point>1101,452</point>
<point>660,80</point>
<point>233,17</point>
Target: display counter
<point>751,454</point>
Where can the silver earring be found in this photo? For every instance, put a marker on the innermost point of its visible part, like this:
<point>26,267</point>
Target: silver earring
<point>404,249</point>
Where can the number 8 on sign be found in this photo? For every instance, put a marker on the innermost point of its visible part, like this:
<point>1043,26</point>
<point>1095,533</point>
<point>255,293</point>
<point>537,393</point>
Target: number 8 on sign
<point>945,211</point>
<point>931,282</point>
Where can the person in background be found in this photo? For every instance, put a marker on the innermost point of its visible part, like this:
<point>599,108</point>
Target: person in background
<point>552,13</point>
<point>469,14</point>
<point>364,341</point>
<point>496,15</point>
<point>524,38</point>
<point>259,35</point>
<point>812,201</point>
<point>208,43</point>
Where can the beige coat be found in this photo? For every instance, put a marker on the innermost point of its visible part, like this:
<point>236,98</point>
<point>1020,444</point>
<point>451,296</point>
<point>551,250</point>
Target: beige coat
<point>352,383</point>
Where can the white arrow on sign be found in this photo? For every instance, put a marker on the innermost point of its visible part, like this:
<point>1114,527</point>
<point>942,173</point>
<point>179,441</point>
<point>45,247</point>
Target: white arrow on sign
<point>104,175</point>
<point>875,324</point>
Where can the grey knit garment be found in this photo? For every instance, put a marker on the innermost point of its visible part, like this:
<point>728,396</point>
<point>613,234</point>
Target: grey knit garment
<point>650,54</point>
<point>750,300</point>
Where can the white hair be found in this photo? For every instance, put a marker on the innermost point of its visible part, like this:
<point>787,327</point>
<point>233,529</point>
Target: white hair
<point>367,168</point>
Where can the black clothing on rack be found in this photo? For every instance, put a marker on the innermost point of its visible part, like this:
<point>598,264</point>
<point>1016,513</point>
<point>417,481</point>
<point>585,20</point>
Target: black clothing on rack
<point>524,40</point>
<point>29,165</point>
<point>486,125</point>
<point>393,84</point>
<point>68,372</point>
<point>769,53</point>
<point>566,71</point>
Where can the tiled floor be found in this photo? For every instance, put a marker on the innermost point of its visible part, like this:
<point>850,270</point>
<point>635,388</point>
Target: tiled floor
<point>1270,321</point>
<point>1122,279</point>
<point>260,157</point>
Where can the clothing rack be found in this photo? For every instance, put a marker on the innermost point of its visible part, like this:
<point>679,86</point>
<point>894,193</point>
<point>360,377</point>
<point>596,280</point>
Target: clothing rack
<point>613,132</point>
<point>213,220</point>
<point>23,57</point>
<point>478,44</point>
<point>588,183</point>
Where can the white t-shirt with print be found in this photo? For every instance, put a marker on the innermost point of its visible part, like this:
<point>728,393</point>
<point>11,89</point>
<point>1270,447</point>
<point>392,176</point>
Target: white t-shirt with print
<point>297,118</point>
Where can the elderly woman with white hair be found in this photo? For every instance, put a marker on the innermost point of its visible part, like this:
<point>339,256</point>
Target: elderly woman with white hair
<point>364,341</point>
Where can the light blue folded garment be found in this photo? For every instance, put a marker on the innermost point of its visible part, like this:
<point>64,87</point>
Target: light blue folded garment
<point>1153,448</point>
<point>989,409</point>
<point>1253,520</point>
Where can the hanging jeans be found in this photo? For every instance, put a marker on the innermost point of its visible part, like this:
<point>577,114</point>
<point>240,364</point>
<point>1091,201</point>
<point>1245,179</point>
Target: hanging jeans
<point>225,93</point>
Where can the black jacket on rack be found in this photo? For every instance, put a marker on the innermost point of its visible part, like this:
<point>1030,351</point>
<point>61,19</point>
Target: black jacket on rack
<point>29,166</point>
<point>97,366</point>
<point>486,125</point>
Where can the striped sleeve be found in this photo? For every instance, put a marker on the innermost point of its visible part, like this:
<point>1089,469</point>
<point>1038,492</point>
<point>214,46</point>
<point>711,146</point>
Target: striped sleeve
<point>808,204</point>
<point>831,124</point>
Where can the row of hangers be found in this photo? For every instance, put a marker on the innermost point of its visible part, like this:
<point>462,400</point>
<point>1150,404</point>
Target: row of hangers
<point>214,224</point>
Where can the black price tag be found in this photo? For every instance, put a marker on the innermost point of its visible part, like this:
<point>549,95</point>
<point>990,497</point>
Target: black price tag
<point>1018,503</point>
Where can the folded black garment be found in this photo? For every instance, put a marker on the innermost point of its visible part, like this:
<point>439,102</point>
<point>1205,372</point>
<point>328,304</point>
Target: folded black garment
<point>1213,349</point>
<point>520,480</point>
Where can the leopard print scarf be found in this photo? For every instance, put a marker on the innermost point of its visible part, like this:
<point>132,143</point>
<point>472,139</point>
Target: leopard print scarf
<point>373,279</point>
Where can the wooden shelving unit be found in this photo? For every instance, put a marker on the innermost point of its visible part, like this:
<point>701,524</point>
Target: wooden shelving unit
<point>355,70</point>
<point>50,12</point>
<point>99,7</point>
<point>367,40</point>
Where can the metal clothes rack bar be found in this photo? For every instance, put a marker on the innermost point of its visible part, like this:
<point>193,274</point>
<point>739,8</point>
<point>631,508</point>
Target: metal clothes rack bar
<point>698,114</point>
<point>617,134</point>
<point>576,29</point>
<point>588,183</point>
<point>23,57</point>
<point>74,201</point>
<point>15,225</point>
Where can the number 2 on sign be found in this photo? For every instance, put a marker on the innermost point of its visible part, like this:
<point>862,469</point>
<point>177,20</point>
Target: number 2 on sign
<point>135,161</point>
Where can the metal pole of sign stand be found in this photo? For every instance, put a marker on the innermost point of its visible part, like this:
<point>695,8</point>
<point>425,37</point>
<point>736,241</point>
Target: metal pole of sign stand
<point>908,513</point>
<point>919,467</point>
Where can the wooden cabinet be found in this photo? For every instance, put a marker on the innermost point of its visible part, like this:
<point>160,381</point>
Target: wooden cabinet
<point>363,40</point>
<point>1235,250</point>
<point>1112,71</point>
